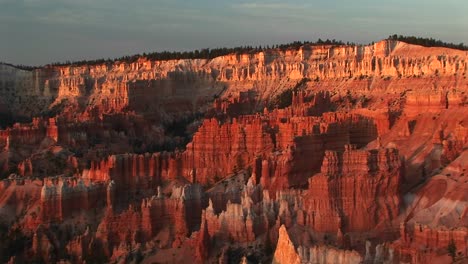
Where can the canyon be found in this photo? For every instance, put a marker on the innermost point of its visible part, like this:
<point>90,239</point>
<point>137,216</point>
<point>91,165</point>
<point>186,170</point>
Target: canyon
<point>320,154</point>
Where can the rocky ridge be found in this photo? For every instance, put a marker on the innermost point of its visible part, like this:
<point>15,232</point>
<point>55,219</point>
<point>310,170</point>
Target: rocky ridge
<point>366,163</point>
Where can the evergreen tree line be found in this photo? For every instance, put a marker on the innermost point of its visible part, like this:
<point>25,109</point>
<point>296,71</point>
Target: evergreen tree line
<point>427,42</point>
<point>216,52</point>
<point>21,66</point>
<point>202,54</point>
<point>284,99</point>
<point>196,54</point>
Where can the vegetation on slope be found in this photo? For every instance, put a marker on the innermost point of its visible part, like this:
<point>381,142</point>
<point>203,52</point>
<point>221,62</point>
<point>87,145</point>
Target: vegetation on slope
<point>284,99</point>
<point>203,53</point>
<point>427,42</point>
<point>216,52</point>
<point>195,54</point>
<point>20,66</point>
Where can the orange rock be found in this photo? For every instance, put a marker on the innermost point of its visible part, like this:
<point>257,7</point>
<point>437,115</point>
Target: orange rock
<point>343,196</point>
<point>285,250</point>
<point>326,165</point>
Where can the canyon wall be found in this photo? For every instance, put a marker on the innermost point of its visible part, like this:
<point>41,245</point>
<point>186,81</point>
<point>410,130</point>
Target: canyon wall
<point>161,86</point>
<point>322,154</point>
<point>351,183</point>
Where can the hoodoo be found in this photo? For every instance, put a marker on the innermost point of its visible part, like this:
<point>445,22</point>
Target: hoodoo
<point>313,153</point>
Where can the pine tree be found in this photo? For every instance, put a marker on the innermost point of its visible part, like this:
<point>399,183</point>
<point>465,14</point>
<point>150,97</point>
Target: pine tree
<point>452,249</point>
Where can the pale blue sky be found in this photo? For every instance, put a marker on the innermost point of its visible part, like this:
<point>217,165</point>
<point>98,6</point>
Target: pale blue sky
<point>44,31</point>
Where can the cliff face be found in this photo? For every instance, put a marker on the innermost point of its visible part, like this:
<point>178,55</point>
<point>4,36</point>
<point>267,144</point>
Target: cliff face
<point>355,190</point>
<point>25,93</point>
<point>161,87</point>
<point>194,160</point>
<point>61,197</point>
<point>286,252</point>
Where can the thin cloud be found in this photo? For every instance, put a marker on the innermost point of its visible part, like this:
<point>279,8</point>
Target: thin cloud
<point>274,6</point>
<point>83,28</point>
<point>290,13</point>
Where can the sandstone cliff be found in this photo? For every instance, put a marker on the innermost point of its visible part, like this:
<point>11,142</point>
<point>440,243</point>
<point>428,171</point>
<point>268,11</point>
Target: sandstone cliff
<point>159,86</point>
<point>188,159</point>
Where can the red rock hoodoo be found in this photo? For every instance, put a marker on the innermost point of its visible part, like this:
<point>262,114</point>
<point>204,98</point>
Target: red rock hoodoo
<point>321,154</point>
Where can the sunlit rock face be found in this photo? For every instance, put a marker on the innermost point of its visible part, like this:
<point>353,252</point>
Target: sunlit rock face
<point>322,154</point>
<point>175,87</point>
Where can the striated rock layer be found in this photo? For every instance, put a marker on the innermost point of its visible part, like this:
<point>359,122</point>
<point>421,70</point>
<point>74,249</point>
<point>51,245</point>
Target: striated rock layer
<point>161,86</point>
<point>286,252</point>
<point>355,191</point>
<point>322,154</point>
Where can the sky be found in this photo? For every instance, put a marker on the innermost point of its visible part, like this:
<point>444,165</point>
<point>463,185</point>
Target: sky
<point>37,32</point>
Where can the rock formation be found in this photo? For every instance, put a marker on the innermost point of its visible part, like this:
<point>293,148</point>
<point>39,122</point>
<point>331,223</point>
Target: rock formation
<point>341,198</point>
<point>365,159</point>
<point>285,250</point>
